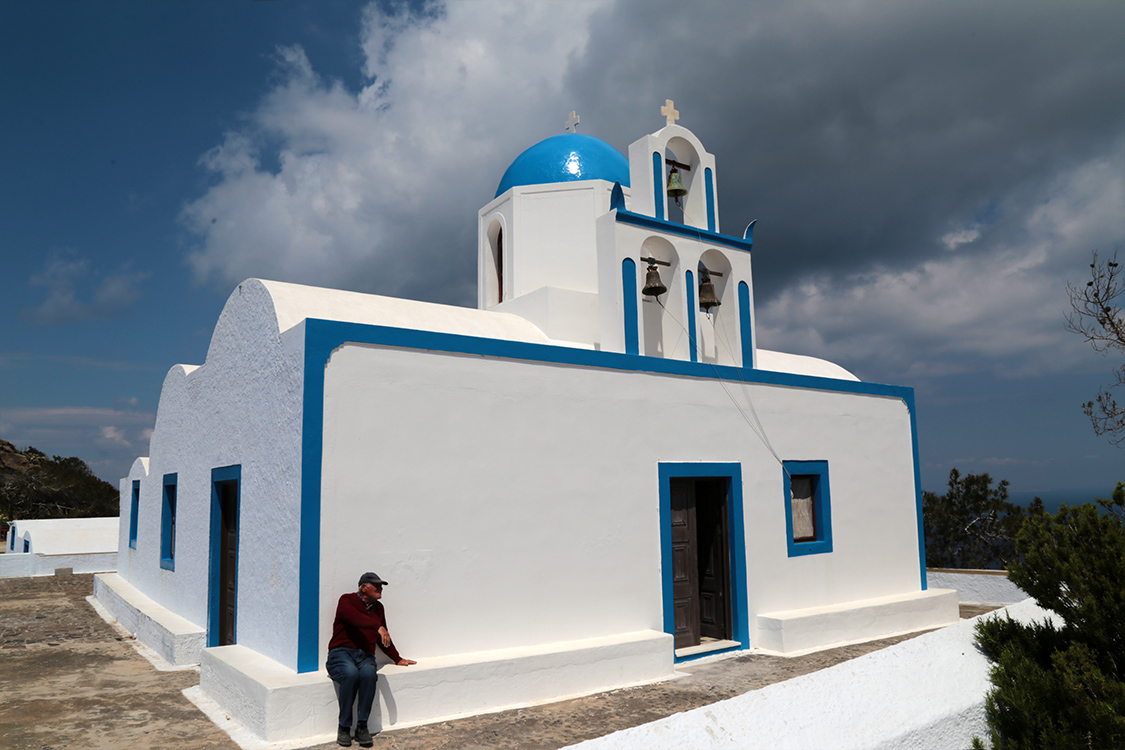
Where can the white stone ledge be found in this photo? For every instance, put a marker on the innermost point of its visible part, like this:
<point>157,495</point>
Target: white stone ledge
<point>977,586</point>
<point>800,631</point>
<point>276,704</point>
<point>174,638</point>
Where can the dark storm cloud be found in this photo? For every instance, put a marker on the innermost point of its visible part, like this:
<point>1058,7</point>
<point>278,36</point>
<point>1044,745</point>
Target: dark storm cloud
<point>862,133</point>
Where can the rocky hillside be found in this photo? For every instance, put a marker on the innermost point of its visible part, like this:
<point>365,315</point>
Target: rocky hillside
<point>33,485</point>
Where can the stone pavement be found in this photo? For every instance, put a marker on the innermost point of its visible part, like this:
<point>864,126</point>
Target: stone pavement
<point>69,680</point>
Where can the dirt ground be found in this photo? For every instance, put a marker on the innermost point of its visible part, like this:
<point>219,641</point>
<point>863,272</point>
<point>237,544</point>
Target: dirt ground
<point>68,680</point>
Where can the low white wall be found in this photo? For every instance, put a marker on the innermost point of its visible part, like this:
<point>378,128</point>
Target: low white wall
<point>804,630</point>
<point>976,586</point>
<point>275,703</point>
<point>16,564</point>
<point>23,564</point>
<point>926,693</point>
<point>176,640</point>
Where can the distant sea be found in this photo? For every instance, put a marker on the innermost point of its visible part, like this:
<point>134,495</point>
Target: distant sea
<point>1052,499</point>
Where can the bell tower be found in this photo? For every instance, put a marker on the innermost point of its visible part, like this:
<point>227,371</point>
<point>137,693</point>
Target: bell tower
<point>674,153</point>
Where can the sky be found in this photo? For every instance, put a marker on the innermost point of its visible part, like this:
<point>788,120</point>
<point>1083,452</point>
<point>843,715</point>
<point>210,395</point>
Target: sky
<point>927,179</point>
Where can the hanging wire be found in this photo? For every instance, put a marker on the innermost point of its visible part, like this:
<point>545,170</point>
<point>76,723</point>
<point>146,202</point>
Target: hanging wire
<point>755,425</point>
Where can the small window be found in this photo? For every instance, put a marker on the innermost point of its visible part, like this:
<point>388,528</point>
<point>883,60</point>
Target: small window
<point>26,545</point>
<point>808,518</point>
<point>168,524</point>
<point>134,509</point>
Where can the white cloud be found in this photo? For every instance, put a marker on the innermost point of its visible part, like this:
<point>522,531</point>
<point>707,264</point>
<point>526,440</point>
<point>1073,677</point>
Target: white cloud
<point>1000,309</point>
<point>962,237</point>
<point>371,188</point>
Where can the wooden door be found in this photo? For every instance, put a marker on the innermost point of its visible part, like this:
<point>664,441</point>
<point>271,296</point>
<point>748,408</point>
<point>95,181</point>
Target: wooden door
<point>713,558</point>
<point>228,560</point>
<point>685,565</point>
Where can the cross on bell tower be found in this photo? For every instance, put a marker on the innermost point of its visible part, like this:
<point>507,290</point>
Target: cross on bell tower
<point>671,114</point>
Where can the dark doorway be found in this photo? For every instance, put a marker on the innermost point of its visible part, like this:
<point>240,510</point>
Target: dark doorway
<point>227,583</point>
<point>700,560</point>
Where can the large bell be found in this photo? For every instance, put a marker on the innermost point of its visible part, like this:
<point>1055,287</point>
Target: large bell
<point>654,287</point>
<point>707,298</point>
<point>676,187</point>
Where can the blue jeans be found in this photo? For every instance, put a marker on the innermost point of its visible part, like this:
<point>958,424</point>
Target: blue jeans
<point>354,670</point>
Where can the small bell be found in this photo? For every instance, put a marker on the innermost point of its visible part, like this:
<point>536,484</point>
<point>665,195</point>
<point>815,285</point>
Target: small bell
<point>654,287</point>
<point>707,298</point>
<point>676,187</point>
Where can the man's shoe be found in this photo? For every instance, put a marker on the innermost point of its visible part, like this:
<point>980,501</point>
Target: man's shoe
<point>363,736</point>
<point>344,737</point>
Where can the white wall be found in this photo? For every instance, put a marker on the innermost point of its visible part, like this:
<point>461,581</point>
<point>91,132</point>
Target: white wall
<point>513,503</point>
<point>242,407</point>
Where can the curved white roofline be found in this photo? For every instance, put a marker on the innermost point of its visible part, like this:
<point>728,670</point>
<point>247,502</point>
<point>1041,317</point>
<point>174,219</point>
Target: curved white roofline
<point>799,364</point>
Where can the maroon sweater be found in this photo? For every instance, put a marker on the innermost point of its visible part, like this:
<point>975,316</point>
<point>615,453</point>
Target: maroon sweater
<point>357,626</point>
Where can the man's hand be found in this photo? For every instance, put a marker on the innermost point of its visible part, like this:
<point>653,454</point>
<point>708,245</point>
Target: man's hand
<point>405,662</point>
<point>385,637</point>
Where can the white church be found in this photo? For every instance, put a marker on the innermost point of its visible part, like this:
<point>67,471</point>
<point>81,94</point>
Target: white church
<point>591,478</point>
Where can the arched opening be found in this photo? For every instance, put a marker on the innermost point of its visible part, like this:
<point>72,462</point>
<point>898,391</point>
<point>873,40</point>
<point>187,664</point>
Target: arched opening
<point>681,157</point>
<point>494,270</point>
<point>661,333</point>
<point>719,333</point>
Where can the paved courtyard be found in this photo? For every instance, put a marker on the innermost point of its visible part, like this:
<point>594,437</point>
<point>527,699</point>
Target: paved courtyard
<point>69,680</point>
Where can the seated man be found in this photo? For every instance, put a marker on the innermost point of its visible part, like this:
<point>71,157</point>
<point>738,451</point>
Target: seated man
<point>360,625</point>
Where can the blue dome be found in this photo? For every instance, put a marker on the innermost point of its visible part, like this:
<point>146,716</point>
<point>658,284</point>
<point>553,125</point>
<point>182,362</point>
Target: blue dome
<point>566,158</point>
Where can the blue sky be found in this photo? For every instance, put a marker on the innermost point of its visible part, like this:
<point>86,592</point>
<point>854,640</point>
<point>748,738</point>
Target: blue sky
<point>926,179</point>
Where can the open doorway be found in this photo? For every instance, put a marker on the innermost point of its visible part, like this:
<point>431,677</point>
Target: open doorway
<point>700,560</point>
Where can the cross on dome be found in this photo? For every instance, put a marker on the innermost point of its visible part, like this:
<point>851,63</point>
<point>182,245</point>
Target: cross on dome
<point>572,122</point>
<point>671,114</point>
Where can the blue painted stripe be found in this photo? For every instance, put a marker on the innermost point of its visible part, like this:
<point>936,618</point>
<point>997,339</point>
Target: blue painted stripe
<point>629,304</point>
<point>745,327</point>
<point>909,398</point>
<point>658,186</point>
<point>692,342</point>
<point>736,529</point>
<point>322,337</point>
<point>710,185</point>
<point>658,224</point>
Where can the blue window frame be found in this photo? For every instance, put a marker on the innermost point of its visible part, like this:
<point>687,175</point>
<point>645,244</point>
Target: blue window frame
<point>26,545</point>
<point>134,509</point>
<point>168,524</point>
<point>810,478</point>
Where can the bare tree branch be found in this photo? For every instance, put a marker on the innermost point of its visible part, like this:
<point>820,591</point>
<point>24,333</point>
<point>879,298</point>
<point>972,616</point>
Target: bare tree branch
<point>1097,317</point>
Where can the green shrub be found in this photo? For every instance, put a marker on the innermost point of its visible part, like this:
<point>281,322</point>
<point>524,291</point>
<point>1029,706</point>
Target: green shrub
<point>1062,687</point>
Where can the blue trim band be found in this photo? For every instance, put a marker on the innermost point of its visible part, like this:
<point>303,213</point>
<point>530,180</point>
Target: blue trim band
<point>918,493</point>
<point>745,329</point>
<point>658,186</point>
<point>822,507</point>
<point>322,337</point>
<point>629,306</point>
<point>659,225</point>
<point>710,185</point>
<point>693,343</point>
<point>219,476</point>
<point>736,541</point>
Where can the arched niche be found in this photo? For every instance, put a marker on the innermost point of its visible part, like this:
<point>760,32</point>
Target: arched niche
<point>719,340</point>
<point>694,204</point>
<point>659,316</point>
<point>495,265</point>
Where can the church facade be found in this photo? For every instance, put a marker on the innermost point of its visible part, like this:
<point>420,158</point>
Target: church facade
<point>591,477</point>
